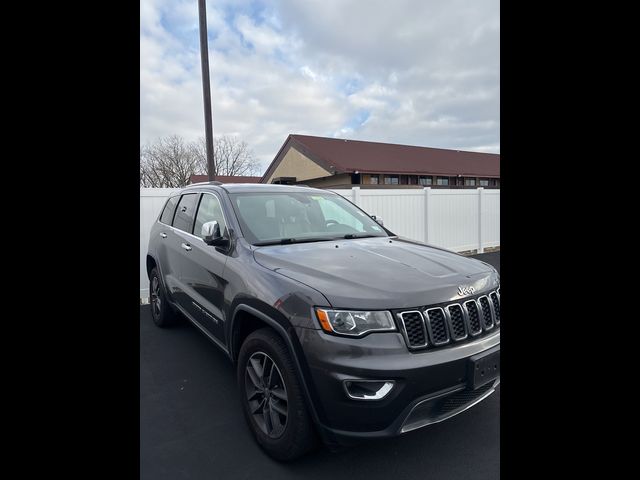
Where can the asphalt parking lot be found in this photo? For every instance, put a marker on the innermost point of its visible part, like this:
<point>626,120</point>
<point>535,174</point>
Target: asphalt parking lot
<point>192,427</point>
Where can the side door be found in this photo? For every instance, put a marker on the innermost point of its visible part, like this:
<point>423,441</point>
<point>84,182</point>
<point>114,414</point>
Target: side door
<point>177,246</point>
<point>202,273</point>
<point>166,244</point>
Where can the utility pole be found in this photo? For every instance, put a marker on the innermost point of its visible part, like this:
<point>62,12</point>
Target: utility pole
<point>206,89</point>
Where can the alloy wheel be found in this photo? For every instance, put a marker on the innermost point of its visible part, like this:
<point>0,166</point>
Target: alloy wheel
<point>156,301</point>
<point>266,394</point>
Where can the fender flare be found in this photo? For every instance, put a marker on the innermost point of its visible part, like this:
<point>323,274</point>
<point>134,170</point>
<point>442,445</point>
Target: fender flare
<point>295,349</point>
<point>162,282</point>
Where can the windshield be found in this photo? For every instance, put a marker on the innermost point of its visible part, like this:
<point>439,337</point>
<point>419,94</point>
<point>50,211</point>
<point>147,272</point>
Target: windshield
<point>282,217</point>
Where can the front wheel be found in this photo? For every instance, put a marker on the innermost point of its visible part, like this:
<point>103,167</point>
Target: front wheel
<point>272,397</point>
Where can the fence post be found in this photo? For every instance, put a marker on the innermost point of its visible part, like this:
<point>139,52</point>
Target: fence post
<point>355,195</point>
<point>480,201</point>
<point>427,213</point>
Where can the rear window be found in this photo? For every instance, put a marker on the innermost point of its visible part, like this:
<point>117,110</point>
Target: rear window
<point>185,212</point>
<point>169,209</point>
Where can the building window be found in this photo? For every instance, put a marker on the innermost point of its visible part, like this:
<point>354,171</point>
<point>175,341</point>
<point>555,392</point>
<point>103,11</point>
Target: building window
<point>391,180</point>
<point>374,180</point>
<point>469,182</point>
<point>426,180</point>
<point>442,181</point>
<point>484,182</point>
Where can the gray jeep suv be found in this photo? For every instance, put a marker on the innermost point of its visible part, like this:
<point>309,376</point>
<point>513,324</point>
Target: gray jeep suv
<point>339,329</point>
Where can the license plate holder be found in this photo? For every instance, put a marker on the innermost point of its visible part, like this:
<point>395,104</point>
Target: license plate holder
<point>484,367</point>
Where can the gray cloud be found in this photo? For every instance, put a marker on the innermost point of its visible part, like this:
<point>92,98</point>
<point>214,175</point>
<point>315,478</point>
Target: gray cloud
<point>416,72</point>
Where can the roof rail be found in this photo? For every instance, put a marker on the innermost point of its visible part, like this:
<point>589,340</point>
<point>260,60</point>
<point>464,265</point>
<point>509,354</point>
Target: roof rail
<point>213,182</point>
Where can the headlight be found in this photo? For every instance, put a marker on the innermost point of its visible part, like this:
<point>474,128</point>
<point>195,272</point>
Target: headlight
<point>354,322</point>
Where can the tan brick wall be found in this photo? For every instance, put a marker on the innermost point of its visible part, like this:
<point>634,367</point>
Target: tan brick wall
<point>295,164</point>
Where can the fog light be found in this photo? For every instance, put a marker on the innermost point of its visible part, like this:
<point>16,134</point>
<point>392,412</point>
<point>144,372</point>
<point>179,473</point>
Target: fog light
<point>368,389</point>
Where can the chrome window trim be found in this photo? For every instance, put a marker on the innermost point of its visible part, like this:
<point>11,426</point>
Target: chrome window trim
<point>404,330</point>
<point>464,322</point>
<point>224,217</point>
<point>165,206</point>
<point>176,211</point>
<point>427,321</point>
<point>175,230</point>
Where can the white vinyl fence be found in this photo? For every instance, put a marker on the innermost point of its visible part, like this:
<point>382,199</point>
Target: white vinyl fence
<point>459,220</point>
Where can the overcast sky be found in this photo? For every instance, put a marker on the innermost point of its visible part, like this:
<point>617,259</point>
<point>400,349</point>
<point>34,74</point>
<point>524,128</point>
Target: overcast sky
<point>420,72</point>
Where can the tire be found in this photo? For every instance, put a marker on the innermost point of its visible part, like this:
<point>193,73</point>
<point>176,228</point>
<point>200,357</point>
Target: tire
<point>284,437</point>
<point>162,311</point>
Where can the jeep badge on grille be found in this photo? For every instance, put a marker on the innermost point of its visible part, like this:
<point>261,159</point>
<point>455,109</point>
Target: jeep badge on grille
<point>466,290</point>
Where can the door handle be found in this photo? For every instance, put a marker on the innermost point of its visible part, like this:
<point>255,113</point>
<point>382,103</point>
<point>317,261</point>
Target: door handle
<point>163,235</point>
<point>186,246</point>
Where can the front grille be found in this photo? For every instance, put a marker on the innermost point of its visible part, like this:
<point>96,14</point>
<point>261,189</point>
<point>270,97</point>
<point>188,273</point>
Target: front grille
<point>441,325</point>
<point>414,329</point>
<point>437,326</point>
<point>487,317</point>
<point>495,299</point>
<point>474,317</point>
<point>457,323</point>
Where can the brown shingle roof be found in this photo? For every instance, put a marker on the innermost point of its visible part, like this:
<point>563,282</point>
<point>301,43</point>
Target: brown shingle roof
<point>225,179</point>
<point>355,155</point>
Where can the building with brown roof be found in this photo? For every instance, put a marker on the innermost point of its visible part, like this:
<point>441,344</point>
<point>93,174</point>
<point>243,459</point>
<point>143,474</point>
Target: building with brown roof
<point>336,162</point>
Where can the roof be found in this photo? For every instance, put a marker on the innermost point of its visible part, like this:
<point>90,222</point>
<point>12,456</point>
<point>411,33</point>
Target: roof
<point>254,188</point>
<point>225,179</point>
<point>348,156</point>
<point>268,188</point>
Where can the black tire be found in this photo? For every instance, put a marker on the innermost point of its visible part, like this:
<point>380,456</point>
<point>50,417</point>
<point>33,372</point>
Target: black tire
<point>292,435</point>
<point>162,312</point>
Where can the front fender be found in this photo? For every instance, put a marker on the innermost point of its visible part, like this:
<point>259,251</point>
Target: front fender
<point>283,327</point>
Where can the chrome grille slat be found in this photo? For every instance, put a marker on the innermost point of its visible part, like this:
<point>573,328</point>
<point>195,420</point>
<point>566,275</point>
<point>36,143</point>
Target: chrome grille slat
<point>436,320</point>
<point>457,322</point>
<point>454,322</point>
<point>495,301</point>
<point>413,328</point>
<point>486,311</point>
<point>473,313</point>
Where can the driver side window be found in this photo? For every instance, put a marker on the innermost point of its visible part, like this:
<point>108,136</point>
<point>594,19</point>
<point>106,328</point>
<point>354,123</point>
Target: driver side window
<point>209,210</point>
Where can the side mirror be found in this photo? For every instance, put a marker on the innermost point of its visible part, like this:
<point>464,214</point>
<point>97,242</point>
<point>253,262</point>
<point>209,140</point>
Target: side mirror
<point>378,220</point>
<point>211,234</point>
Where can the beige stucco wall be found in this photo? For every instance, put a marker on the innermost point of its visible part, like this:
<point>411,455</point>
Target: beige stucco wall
<point>295,164</point>
<point>332,181</point>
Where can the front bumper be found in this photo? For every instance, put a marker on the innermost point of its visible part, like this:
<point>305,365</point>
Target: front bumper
<point>430,386</point>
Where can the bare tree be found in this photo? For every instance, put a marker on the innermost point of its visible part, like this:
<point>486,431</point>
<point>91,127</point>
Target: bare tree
<point>170,161</point>
<point>232,156</point>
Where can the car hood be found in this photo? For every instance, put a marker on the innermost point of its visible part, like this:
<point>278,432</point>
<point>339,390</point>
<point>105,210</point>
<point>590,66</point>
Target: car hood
<point>378,273</point>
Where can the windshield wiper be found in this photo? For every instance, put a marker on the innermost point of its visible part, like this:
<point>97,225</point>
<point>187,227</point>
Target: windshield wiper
<point>355,235</point>
<point>286,241</point>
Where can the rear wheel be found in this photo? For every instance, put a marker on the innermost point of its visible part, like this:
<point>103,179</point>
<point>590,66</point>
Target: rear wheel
<point>272,398</point>
<point>162,312</point>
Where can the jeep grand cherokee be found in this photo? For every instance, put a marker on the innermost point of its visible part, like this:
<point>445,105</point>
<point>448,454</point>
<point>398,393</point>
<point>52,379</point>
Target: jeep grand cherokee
<point>339,330</point>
